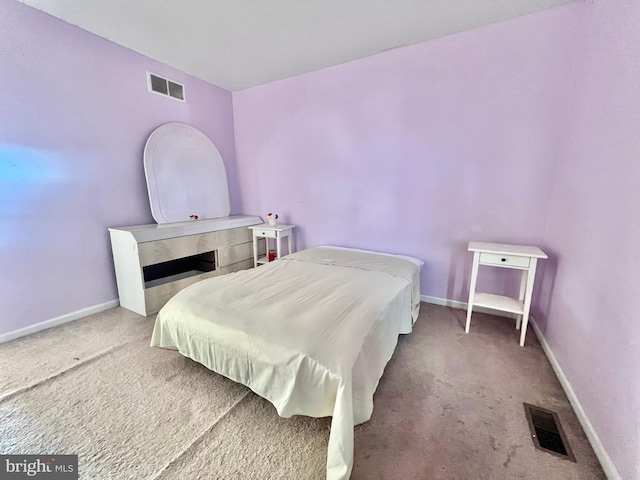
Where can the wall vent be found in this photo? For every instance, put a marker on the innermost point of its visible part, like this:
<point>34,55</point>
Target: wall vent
<point>547,433</point>
<point>167,88</point>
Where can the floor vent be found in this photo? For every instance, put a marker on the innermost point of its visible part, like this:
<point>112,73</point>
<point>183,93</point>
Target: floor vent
<point>547,433</point>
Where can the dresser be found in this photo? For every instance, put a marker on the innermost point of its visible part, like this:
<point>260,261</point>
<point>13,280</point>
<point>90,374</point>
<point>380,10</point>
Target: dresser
<point>154,262</point>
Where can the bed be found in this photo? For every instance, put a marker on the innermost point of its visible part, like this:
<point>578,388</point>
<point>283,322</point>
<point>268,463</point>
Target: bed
<point>311,333</point>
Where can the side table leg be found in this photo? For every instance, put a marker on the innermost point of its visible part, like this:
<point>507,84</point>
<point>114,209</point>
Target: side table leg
<point>523,286</point>
<point>278,246</point>
<point>472,289</point>
<point>527,299</point>
<point>255,250</point>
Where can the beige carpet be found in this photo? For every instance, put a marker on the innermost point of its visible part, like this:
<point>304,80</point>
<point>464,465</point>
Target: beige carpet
<point>449,406</point>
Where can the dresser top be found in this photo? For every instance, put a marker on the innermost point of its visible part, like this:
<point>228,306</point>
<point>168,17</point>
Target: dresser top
<point>155,231</point>
<point>506,249</point>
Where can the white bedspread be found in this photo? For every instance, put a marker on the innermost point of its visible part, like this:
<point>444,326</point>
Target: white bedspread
<point>311,333</point>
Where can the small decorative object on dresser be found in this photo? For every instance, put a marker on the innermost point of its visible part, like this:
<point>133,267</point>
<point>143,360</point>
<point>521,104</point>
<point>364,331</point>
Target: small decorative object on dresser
<point>505,256</point>
<point>272,219</point>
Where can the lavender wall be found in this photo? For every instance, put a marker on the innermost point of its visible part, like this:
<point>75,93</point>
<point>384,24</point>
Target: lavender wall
<point>74,117</point>
<point>417,150</point>
<point>590,307</point>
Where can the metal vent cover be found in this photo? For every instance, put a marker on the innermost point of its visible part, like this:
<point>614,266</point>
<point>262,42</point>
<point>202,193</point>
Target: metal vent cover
<point>165,87</point>
<point>547,433</point>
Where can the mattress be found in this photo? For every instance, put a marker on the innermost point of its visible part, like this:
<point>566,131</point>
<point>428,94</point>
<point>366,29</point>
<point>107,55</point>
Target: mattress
<point>311,333</point>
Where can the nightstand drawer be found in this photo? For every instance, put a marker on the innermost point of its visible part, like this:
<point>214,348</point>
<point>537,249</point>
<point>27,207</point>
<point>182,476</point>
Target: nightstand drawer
<point>516,261</point>
<point>265,233</point>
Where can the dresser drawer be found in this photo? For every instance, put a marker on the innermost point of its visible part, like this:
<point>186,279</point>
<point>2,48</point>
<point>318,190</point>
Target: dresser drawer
<point>234,253</point>
<point>236,267</point>
<point>155,297</point>
<point>233,236</point>
<point>160,251</point>
<point>516,261</point>
<point>266,233</point>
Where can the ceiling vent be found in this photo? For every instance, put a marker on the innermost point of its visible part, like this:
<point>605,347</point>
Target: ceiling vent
<point>167,88</point>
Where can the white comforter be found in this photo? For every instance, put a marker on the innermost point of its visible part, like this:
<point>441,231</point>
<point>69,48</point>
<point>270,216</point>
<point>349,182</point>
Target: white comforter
<point>311,333</point>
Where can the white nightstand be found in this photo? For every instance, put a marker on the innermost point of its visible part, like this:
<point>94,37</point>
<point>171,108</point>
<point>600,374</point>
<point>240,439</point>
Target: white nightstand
<point>267,231</point>
<point>504,256</point>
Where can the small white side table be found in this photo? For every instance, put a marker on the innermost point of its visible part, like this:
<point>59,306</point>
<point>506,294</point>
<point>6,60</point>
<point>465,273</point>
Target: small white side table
<point>267,231</point>
<point>504,256</point>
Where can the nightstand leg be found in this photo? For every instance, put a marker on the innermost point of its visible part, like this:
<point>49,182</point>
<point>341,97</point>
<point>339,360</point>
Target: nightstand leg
<point>527,300</point>
<point>255,251</point>
<point>472,289</point>
<point>278,246</point>
<point>523,285</point>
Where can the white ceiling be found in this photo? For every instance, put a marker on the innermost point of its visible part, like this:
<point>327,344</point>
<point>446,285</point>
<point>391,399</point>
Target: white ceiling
<point>237,44</point>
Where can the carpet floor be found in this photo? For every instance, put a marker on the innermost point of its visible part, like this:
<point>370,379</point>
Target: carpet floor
<point>449,406</point>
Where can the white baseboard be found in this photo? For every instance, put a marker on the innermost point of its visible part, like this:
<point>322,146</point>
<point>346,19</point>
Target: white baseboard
<point>443,301</point>
<point>605,461</point>
<point>54,322</point>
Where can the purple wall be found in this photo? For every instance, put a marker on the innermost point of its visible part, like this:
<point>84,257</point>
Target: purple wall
<point>416,151</point>
<point>74,116</point>
<point>524,131</point>
<point>591,303</point>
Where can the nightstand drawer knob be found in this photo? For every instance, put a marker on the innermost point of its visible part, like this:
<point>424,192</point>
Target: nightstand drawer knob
<point>504,259</point>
